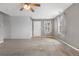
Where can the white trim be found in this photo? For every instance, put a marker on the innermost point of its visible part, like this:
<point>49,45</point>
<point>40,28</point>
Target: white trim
<point>70,46</point>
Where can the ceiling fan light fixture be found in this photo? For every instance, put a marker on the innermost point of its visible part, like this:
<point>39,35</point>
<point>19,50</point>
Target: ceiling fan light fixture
<point>27,7</point>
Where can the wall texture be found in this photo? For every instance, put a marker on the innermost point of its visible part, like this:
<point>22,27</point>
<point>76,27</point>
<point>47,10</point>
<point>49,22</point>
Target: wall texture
<point>15,27</point>
<point>7,26</point>
<point>72,25</point>
<point>1,28</point>
<point>4,26</point>
<point>21,27</point>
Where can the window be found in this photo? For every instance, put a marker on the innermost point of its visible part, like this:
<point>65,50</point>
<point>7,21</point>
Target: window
<point>60,25</point>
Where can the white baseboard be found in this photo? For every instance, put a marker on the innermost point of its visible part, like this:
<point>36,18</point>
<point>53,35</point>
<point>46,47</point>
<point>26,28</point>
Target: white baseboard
<point>70,45</point>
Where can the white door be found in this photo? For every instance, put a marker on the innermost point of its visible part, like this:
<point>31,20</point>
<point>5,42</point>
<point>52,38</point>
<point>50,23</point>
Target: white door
<point>37,28</point>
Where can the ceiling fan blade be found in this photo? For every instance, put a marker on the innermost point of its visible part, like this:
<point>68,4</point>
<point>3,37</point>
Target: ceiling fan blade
<point>35,5</point>
<point>31,9</point>
<point>21,9</point>
<point>27,3</point>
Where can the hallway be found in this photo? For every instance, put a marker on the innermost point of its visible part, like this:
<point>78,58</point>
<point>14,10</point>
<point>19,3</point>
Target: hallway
<point>35,47</point>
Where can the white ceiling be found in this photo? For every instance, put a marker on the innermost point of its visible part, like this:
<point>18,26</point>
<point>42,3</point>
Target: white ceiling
<point>46,10</point>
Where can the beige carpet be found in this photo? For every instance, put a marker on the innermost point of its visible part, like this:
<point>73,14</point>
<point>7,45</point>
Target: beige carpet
<point>34,47</point>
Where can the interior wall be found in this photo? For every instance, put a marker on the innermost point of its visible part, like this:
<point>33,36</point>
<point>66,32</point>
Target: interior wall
<point>21,27</point>
<point>1,27</point>
<point>72,25</point>
<point>4,26</point>
<point>7,26</point>
<point>15,27</point>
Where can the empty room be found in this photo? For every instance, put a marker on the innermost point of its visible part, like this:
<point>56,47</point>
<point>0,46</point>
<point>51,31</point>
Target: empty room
<point>39,29</point>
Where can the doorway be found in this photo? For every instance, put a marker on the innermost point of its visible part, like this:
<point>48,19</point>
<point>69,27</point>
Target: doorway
<point>37,28</point>
<point>42,28</point>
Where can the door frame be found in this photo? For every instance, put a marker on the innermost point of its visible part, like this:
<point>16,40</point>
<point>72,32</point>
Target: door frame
<point>41,25</point>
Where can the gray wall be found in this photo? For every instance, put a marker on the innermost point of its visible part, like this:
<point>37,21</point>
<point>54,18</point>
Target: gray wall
<point>72,25</point>
<point>7,26</point>
<point>1,28</point>
<point>4,25</point>
<point>21,27</point>
<point>4,30</point>
<point>15,27</point>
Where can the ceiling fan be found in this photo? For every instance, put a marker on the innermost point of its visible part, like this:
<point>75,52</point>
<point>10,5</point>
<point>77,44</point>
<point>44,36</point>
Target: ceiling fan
<point>29,6</point>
